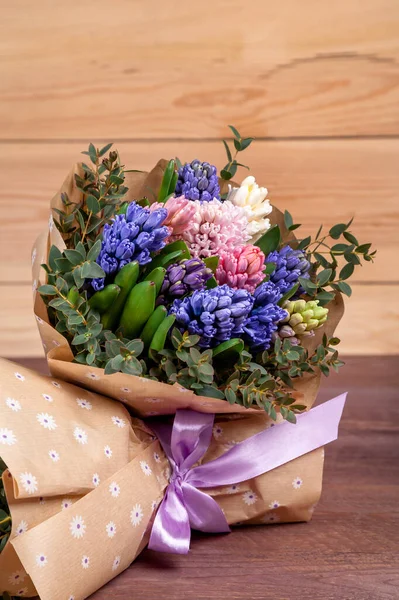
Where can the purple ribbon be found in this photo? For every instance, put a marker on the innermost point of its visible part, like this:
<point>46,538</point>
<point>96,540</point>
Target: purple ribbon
<point>185,507</point>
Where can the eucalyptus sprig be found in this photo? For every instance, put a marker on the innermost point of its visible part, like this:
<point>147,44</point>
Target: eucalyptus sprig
<point>240,144</point>
<point>338,260</point>
<point>103,190</point>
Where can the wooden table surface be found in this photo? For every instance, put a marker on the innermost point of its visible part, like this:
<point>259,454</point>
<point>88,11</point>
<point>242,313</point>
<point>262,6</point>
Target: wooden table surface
<point>349,551</point>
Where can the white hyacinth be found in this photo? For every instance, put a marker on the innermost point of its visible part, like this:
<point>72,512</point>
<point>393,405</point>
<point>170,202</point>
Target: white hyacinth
<point>252,199</point>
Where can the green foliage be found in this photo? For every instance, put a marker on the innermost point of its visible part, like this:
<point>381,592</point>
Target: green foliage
<point>240,144</point>
<point>333,263</point>
<point>5,516</point>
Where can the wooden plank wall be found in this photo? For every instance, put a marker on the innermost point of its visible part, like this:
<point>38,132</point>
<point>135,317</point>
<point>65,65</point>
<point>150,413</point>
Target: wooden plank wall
<point>316,82</point>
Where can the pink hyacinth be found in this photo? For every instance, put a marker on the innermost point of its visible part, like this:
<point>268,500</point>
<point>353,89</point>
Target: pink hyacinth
<point>180,213</point>
<point>215,227</point>
<point>241,268</point>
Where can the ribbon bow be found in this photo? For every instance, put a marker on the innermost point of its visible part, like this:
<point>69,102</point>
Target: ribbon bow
<point>185,507</point>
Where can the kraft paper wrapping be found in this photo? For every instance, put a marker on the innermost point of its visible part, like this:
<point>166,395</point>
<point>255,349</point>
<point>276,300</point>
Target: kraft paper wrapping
<point>85,478</point>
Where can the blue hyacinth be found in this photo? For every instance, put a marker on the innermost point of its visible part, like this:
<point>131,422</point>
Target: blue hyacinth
<point>290,265</point>
<point>216,314</point>
<point>264,317</point>
<point>198,181</point>
<point>131,237</point>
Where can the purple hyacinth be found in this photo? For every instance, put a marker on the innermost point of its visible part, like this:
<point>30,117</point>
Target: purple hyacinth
<point>216,315</point>
<point>184,277</point>
<point>290,265</point>
<point>198,181</point>
<point>264,317</point>
<point>131,237</point>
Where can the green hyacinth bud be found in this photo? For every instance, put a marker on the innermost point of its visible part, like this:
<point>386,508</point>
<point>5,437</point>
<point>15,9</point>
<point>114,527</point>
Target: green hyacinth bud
<point>304,317</point>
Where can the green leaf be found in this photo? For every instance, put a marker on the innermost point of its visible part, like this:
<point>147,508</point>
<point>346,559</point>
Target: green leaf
<point>73,256</point>
<point>211,283</point>
<point>307,285</point>
<point>229,157</point>
<point>288,220</point>
<point>269,241</point>
<point>48,290</point>
<point>340,248</point>
<point>92,204</point>
<point>304,243</point>
<point>105,149</point>
<point>346,271</point>
<point>235,132</point>
<point>345,288</point>
<point>211,392</point>
<point>136,347</point>
<point>92,270</point>
<point>324,276</point>
<point>290,417</point>
<point>56,253</point>
<point>350,238</point>
<point>226,175</point>
<point>246,142</point>
<point>92,153</point>
<point>362,249</point>
<point>212,262</point>
<point>336,231</point>
<point>94,251</point>
<point>325,297</point>
<point>321,259</point>
<point>77,277</point>
<point>233,345</point>
<point>79,339</point>
<point>230,395</point>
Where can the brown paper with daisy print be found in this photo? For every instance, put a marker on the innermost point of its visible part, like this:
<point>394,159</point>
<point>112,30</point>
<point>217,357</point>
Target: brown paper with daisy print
<point>85,479</point>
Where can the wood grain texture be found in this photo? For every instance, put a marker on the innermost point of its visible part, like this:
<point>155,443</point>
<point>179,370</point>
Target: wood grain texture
<point>156,70</point>
<point>324,182</point>
<point>360,331</point>
<point>350,549</point>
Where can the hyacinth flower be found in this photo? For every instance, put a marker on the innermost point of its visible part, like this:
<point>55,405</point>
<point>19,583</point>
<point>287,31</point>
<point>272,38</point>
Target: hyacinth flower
<point>241,268</point>
<point>264,317</point>
<point>290,265</point>
<point>253,200</point>
<point>131,237</point>
<point>183,278</point>
<point>216,227</point>
<point>180,213</point>
<point>301,320</point>
<point>198,181</point>
<point>216,315</point>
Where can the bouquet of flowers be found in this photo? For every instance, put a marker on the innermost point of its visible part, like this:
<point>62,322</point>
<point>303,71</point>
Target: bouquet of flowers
<point>178,289</point>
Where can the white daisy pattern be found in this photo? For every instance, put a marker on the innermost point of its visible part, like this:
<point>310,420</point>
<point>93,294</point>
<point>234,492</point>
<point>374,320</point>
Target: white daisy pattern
<point>154,505</point>
<point>46,421</point>
<point>119,422</point>
<point>217,432</point>
<point>77,527</point>
<point>85,562</point>
<point>28,482</point>
<point>84,403</point>
<point>22,591</point>
<point>39,320</point>
<point>114,489</point>
<point>71,598</point>
<point>136,515</point>
<point>110,528</point>
<point>41,560</point>
<point>145,467</point>
<point>19,376</point>
<point>56,385</point>
<point>249,497</point>
<point>42,501</point>
<point>274,504</point>
<point>50,223</point>
<point>233,488</point>
<point>34,254</point>
<point>157,458</point>
<point>92,376</point>
<point>7,437</point>
<point>34,285</point>
<point>53,454</point>
<point>96,479</point>
<point>15,405</point>
<point>107,451</point>
<point>153,400</point>
<point>47,397</point>
<point>80,435</point>
<point>66,503</point>
<point>21,528</point>
<point>271,518</point>
<point>17,577</point>
<point>126,390</point>
<point>297,483</point>
<point>116,563</point>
